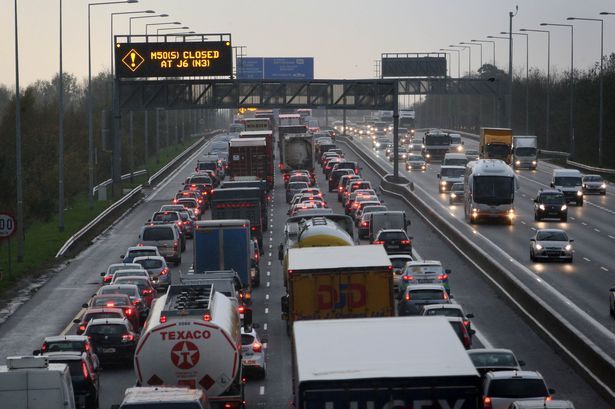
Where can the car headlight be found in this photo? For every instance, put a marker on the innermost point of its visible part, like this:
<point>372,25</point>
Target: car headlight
<point>518,162</point>
<point>511,213</point>
<point>428,155</point>
<point>408,167</point>
<point>541,207</point>
<point>423,167</point>
<point>564,207</point>
<point>568,247</point>
<point>603,186</point>
<point>579,193</point>
<point>538,246</point>
<point>377,145</point>
<point>475,210</point>
<point>453,195</point>
<point>443,183</point>
<point>533,162</point>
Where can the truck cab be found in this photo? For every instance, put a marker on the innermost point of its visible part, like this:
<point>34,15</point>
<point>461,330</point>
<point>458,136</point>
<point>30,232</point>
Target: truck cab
<point>525,152</point>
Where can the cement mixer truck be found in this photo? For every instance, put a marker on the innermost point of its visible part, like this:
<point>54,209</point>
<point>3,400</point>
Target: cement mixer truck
<point>192,339</point>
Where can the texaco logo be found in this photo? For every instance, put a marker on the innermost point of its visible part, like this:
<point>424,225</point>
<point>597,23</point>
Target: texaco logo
<point>185,355</point>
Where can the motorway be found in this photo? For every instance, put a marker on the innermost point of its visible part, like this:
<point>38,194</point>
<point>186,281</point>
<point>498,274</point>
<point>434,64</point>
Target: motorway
<point>53,308</point>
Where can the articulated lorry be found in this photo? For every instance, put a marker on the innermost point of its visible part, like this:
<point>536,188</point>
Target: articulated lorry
<point>525,151</point>
<point>251,156</point>
<point>298,153</point>
<point>496,143</point>
<point>284,130</point>
<point>338,282</point>
<point>436,145</point>
<point>240,203</point>
<point>393,362</point>
<point>192,339</point>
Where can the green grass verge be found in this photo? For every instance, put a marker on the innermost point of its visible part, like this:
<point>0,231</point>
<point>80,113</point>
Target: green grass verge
<point>43,239</point>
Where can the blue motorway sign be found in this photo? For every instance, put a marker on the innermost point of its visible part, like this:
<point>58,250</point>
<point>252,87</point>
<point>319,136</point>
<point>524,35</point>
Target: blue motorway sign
<point>250,68</point>
<point>289,68</point>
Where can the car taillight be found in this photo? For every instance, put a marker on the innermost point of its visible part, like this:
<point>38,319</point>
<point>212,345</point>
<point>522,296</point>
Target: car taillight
<point>442,276</point>
<point>128,312</point>
<point>128,337</point>
<point>253,228</point>
<point>110,304</point>
<point>466,323</point>
<point>206,317</point>
<point>174,201</point>
<point>196,211</point>
<point>364,223</point>
<point>487,403</point>
<point>175,245</point>
<point>408,297</point>
<point>44,348</point>
<point>81,328</point>
<point>136,302</point>
<point>164,271</point>
<point>139,244</point>
<point>356,171</point>
<point>407,278</point>
<point>106,279</point>
<point>406,242</point>
<point>257,347</point>
<point>147,291</point>
<point>340,188</point>
<point>378,242</point>
<point>84,369</point>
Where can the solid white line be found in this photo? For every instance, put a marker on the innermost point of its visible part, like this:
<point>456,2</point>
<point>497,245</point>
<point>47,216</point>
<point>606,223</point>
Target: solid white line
<point>268,284</point>
<point>266,296</point>
<point>265,327</point>
<point>604,268</point>
<point>266,310</point>
<point>262,390</point>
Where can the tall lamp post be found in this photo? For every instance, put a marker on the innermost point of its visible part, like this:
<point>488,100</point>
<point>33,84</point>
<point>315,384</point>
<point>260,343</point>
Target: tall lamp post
<point>147,26</point>
<point>89,97</point>
<point>18,176</point>
<point>527,78</point>
<point>548,108</point>
<point>487,41</point>
<point>481,50</point>
<point>458,59</point>
<point>134,18</point>
<point>469,56</point>
<point>571,81</point>
<point>158,30</point>
<point>601,114</point>
<point>112,31</point>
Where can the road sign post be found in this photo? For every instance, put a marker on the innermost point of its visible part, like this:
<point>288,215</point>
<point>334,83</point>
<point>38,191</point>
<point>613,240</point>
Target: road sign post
<point>7,229</point>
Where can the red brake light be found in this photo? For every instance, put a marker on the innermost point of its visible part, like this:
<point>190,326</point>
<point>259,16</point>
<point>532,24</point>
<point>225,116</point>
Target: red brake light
<point>408,297</point>
<point>140,245</point>
<point>164,271</point>
<point>442,276</point>
<point>406,242</point>
<point>378,242</point>
<point>128,337</point>
<point>107,278</point>
<point>84,369</point>
<point>81,327</point>
<point>128,312</point>
<point>110,304</point>
<point>257,347</point>
<point>241,309</point>
<point>44,348</point>
<point>253,228</point>
<point>487,403</point>
<point>364,223</point>
<point>147,291</point>
<point>407,278</point>
<point>340,188</point>
<point>163,319</point>
<point>466,323</point>
<point>137,301</point>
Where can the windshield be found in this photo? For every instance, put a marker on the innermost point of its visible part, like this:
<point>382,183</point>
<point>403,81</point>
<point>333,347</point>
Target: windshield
<point>452,172</point>
<point>445,312</point>
<point>206,166</point>
<point>297,185</point>
<point>455,140</point>
<point>105,301</point>
<point>525,151</point>
<point>129,291</point>
<point>553,199</point>
<point>150,263</point>
<point>497,150</point>
<point>165,217</point>
<point>437,139</point>
<point>399,263</point>
<point>158,233</point>
<point>415,158</point>
<point>392,235</point>
<point>493,359</point>
<point>593,178</point>
<point>107,329</point>
<point>97,315</point>
<point>551,236</point>
<point>456,161</point>
<point>163,405</point>
<point>64,346</point>
<point>517,388</point>
<point>494,190</point>
<point>141,253</point>
<point>567,181</point>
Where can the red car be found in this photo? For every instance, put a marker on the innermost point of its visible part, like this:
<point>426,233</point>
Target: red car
<point>97,312</point>
<point>118,301</point>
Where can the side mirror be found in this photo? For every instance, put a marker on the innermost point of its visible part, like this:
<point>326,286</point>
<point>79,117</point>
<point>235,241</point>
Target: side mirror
<point>451,297</point>
<point>470,315</point>
<point>552,184</point>
<point>612,289</point>
<point>532,239</point>
<point>410,237</point>
<point>447,270</point>
<point>84,306</point>
<point>536,200</point>
<point>76,321</point>
<point>438,176</point>
<point>102,274</point>
<point>471,332</point>
<point>36,352</point>
<point>551,391</point>
<point>521,363</point>
<point>382,202</point>
<point>571,241</point>
<point>139,237</point>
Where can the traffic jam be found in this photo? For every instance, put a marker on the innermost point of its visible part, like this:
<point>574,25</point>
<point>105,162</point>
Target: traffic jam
<point>350,265</point>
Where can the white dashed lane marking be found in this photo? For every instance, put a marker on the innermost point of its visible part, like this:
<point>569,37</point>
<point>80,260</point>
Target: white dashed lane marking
<point>586,259</point>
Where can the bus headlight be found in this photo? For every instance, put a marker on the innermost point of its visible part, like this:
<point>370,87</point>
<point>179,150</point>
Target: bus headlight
<point>453,195</point>
<point>533,162</point>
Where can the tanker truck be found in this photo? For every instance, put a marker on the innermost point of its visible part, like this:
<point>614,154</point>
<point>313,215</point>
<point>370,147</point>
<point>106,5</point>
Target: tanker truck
<point>192,339</point>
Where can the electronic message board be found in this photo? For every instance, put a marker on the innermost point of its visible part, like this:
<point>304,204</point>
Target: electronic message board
<point>173,59</point>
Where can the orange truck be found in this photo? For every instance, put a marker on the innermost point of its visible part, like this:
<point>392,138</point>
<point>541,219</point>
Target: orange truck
<point>496,143</point>
<point>338,282</point>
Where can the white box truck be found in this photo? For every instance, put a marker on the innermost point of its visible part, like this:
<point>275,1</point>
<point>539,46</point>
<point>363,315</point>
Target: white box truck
<point>525,151</point>
<point>433,371</point>
<point>192,339</point>
<point>31,382</point>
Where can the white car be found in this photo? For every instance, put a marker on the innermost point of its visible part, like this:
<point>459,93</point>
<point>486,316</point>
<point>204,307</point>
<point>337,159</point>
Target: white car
<point>157,269</point>
<point>253,357</point>
<point>415,162</point>
<point>551,244</point>
<point>502,388</point>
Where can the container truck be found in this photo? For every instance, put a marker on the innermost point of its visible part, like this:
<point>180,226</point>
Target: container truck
<point>268,135</point>
<point>223,245</point>
<point>257,124</point>
<point>240,203</point>
<point>436,145</point>
<point>392,362</point>
<point>525,151</point>
<point>192,339</point>
<point>496,143</point>
<point>338,282</point>
<point>286,129</point>
<point>298,152</point>
<point>250,157</point>
<point>252,182</point>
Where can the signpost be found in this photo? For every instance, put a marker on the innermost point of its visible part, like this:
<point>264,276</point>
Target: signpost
<point>250,68</point>
<point>289,68</point>
<point>173,59</point>
<point>7,229</point>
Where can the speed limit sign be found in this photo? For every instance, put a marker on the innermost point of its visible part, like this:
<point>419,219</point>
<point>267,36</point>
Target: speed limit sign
<point>7,225</point>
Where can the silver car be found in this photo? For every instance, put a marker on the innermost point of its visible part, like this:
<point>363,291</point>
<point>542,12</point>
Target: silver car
<point>415,162</point>
<point>594,184</point>
<point>502,388</point>
<point>253,354</point>
<point>157,269</point>
<point>551,244</point>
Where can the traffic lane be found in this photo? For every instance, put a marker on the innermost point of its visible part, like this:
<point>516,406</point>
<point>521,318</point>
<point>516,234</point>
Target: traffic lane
<point>499,324</point>
<point>591,249</point>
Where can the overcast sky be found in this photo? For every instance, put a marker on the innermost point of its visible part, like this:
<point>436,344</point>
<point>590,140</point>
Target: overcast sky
<point>344,36</point>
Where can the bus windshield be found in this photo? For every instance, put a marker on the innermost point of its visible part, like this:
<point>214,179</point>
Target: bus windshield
<point>437,139</point>
<point>494,190</point>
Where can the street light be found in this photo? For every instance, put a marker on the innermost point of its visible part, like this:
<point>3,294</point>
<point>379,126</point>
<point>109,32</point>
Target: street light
<point>61,137</point>
<point>601,115</point>
<point>469,56</point>
<point>548,79</point>
<point>158,30</point>
<point>134,18</point>
<point>481,50</point>
<point>112,31</point>
<point>571,80</point>
<point>487,41</point>
<point>458,59</point>
<point>89,102</point>
<point>18,176</point>
<point>527,77</point>
<point>147,26</point>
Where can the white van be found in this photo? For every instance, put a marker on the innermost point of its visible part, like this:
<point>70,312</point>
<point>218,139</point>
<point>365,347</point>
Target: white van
<point>31,382</point>
<point>163,397</point>
<point>570,182</point>
<point>454,159</point>
<point>390,219</point>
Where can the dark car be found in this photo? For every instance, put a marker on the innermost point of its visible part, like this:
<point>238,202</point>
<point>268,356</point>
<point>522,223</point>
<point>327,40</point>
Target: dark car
<point>116,301</point>
<point>132,291</point>
<point>97,312</point>
<point>113,339</point>
<point>464,334</point>
<point>84,378</point>
<point>456,193</point>
<point>395,241</point>
<point>550,203</point>
<point>418,295</point>
<point>335,175</point>
<point>343,185</point>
